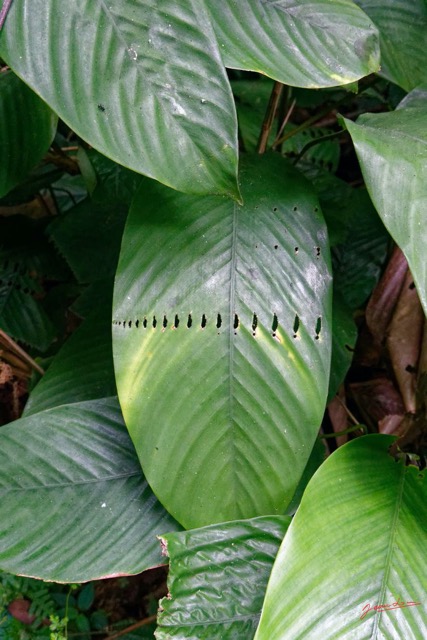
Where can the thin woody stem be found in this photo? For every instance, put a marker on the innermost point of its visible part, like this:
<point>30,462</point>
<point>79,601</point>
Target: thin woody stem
<point>133,627</point>
<point>4,11</point>
<point>10,344</point>
<point>269,117</point>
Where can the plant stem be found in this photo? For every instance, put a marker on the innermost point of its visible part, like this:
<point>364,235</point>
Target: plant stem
<point>10,344</point>
<point>4,11</point>
<point>312,143</point>
<point>357,427</point>
<point>269,116</point>
<point>284,123</point>
<point>133,627</point>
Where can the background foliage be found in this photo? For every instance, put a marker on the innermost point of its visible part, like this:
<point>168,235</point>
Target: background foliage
<point>203,181</point>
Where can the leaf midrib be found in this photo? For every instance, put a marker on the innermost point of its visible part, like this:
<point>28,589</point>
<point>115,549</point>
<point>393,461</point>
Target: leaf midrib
<point>232,310</point>
<point>59,485</point>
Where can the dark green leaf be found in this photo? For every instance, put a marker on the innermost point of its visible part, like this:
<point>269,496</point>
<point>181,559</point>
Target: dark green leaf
<point>402,25</point>
<point>141,82</point>
<point>217,579</point>
<point>74,505</point>
<point>27,128</point>
<point>392,151</point>
<point>358,261</point>
<point>310,43</point>
<point>344,335</point>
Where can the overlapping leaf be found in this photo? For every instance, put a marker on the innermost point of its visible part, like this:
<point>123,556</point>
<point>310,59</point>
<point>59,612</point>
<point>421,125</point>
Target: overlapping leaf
<point>358,539</point>
<point>221,335</point>
<point>310,43</point>
<point>141,82</point>
<point>27,128</point>
<point>217,579</point>
<point>392,151</point>
<point>402,26</point>
<point>74,505</point>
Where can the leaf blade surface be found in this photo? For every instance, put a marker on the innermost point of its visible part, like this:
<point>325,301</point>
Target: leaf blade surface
<point>141,82</point>
<point>392,151</point>
<point>297,43</point>
<point>361,530</point>
<point>222,343</point>
<point>217,578</point>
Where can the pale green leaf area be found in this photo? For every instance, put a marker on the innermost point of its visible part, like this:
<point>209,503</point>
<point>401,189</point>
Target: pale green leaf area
<point>27,128</point>
<point>310,43</point>
<point>402,26</point>
<point>74,505</point>
<point>358,539</point>
<point>416,98</point>
<point>137,80</point>
<point>392,152</point>
<point>217,579</point>
<point>222,342</point>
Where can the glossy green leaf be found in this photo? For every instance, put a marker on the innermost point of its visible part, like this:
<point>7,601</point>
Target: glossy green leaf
<point>221,337</point>
<point>402,26</point>
<point>310,43</point>
<point>358,539</point>
<point>74,504</point>
<point>217,579</point>
<point>392,151</point>
<point>141,82</point>
<point>27,128</point>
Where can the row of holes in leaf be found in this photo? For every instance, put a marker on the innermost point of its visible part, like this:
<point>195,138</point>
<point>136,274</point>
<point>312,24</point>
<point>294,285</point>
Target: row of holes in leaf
<point>219,322</point>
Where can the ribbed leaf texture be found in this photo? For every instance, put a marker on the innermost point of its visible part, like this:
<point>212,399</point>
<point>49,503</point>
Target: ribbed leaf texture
<point>27,128</point>
<point>141,81</point>
<point>402,26</point>
<point>357,542</point>
<point>221,337</point>
<point>74,505</point>
<point>309,43</point>
<point>217,579</point>
<point>392,151</point>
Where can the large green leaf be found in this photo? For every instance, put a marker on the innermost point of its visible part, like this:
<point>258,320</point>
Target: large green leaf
<point>27,128</point>
<point>358,539</point>
<point>140,81</point>
<point>226,409</point>
<point>74,504</point>
<point>217,579</point>
<point>310,43</point>
<point>392,151</point>
<point>402,26</point>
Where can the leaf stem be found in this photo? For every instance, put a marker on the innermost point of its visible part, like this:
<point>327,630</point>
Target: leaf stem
<point>269,116</point>
<point>133,627</point>
<point>357,427</point>
<point>10,344</point>
<point>4,11</point>
<point>312,143</point>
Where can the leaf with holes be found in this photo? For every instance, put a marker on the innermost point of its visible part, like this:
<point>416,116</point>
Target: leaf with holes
<point>141,81</point>
<point>361,531</point>
<point>217,578</point>
<point>27,128</point>
<point>402,27</point>
<point>74,505</point>
<point>392,151</point>
<point>221,336</point>
<point>310,43</point>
